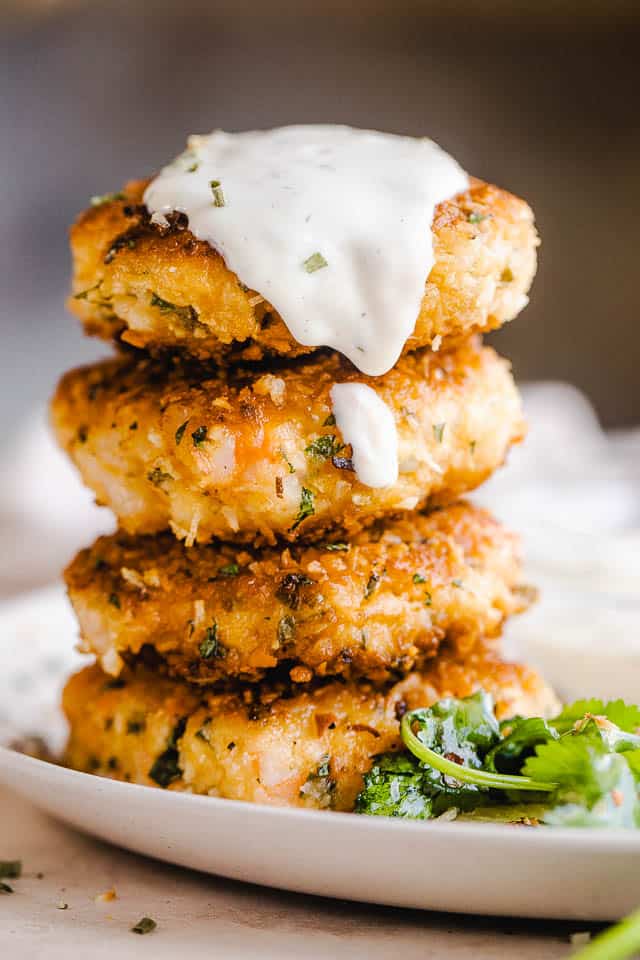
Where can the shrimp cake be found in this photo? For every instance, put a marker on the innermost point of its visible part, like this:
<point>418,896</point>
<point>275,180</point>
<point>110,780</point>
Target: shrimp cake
<point>253,455</point>
<point>155,287</point>
<point>373,606</point>
<point>268,744</point>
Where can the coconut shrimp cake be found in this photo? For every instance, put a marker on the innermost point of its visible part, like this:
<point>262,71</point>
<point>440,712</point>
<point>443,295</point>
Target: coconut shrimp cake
<point>246,454</point>
<point>373,606</point>
<point>265,744</point>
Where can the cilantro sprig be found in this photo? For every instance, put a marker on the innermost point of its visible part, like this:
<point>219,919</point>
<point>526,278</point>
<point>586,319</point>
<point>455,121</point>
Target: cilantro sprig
<point>580,768</point>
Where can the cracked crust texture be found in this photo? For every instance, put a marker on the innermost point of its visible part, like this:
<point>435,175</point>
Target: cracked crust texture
<point>371,607</point>
<point>271,745</point>
<point>162,288</point>
<point>246,454</point>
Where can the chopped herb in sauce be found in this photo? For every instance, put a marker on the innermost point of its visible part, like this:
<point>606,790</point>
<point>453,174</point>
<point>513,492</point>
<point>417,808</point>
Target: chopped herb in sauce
<point>427,599</point>
<point>315,262</point>
<point>306,508</point>
<point>336,547</point>
<point>199,436</point>
<point>330,421</point>
<point>11,869</point>
<point>418,578</point>
<point>475,217</point>
<point>457,583</point>
<point>144,925</point>
<point>85,293</point>
<point>286,630</point>
<point>114,600</point>
<point>218,195</point>
<point>229,570</point>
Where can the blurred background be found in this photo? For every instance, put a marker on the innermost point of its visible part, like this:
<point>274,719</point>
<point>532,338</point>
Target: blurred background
<point>539,97</point>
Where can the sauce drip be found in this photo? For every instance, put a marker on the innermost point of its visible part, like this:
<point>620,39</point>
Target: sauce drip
<point>367,423</point>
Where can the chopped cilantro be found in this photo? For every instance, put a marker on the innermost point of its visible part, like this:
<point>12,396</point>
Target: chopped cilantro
<point>330,421</point>
<point>180,432</point>
<point>418,578</point>
<point>229,570</point>
<point>157,476</point>
<point>165,768</point>
<point>336,547</point>
<point>144,925</point>
<point>210,647</point>
<point>475,217</point>
<point>187,314</point>
<point>324,447</point>
<point>372,583</point>
<point>306,508</point>
<point>199,436</point>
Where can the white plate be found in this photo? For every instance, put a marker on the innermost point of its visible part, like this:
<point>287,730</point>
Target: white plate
<point>462,867</point>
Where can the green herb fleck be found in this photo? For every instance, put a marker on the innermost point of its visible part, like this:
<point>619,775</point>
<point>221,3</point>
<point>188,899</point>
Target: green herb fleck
<point>438,431</point>
<point>229,570</point>
<point>457,583</point>
<point>83,295</point>
<point>475,217</point>
<point>187,315</point>
<point>199,436</point>
<point>193,167</point>
<point>324,447</point>
<point>101,198</point>
<point>145,925</point>
<point>218,195</point>
<point>427,599</point>
<point>372,583</point>
<point>286,630</point>
<point>157,476</point>
<point>288,591</point>
<point>290,466</point>
<point>336,547</point>
<point>165,768</point>
<point>315,262</point>
<point>114,600</point>
<point>11,869</point>
<point>418,578</point>
<point>211,647</point>
<point>306,508</point>
<point>330,421</point>
<point>180,432</point>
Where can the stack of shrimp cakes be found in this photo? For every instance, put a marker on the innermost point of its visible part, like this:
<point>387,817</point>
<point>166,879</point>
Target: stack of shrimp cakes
<point>262,618</point>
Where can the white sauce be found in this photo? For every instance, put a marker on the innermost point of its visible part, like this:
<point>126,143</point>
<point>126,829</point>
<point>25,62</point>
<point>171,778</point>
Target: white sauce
<point>330,224</point>
<point>366,422</point>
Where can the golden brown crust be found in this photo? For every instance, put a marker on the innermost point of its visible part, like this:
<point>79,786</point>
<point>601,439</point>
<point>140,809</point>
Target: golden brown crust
<point>309,749</point>
<point>128,274</point>
<point>372,607</point>
<point>229,453</point>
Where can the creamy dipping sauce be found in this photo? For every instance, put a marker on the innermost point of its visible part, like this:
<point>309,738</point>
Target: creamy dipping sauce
<point>366,422</point>
<point>330,224</point>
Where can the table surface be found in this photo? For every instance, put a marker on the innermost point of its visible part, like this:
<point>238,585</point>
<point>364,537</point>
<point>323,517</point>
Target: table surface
<point>205,916</point>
